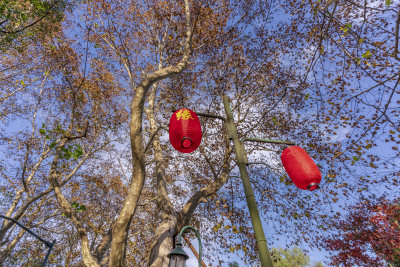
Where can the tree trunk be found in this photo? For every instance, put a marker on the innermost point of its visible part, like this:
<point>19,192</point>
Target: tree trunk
<point>121,228</point>
<point>163,240</point>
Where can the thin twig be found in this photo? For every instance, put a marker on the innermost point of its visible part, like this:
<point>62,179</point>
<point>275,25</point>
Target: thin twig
<point>33,23</point>
<point>396,38</point>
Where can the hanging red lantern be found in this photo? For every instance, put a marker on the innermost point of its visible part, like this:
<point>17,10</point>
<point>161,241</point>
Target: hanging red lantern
<point>185,131</point>
<point>301,169</point>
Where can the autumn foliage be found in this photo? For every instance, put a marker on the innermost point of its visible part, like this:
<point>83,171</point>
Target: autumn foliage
<point>85,105</point>
<point>368,236</point>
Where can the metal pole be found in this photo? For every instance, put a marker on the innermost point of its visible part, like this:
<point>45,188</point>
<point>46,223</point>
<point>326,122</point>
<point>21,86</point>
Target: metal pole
<point>269,141</point>
<point>48,253</point>
<point>50,245</point>
<point>194,250</point>
<point>251,202</point>
<point>198,238</point>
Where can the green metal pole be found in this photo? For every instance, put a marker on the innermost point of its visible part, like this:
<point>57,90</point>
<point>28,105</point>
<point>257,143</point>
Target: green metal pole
<point>251,202</point>
<point>269,141</point>
<point>197,235</point>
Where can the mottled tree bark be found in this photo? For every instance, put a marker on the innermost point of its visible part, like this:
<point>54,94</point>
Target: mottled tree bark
<point>121,227</point>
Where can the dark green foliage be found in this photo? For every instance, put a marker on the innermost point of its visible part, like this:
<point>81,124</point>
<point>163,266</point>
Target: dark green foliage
<point>25,21</point>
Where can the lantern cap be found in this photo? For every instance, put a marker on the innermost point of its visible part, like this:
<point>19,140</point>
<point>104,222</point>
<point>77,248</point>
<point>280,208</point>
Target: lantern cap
<point>312,186</point>
<point>186,142</point>
<point>178,251</point>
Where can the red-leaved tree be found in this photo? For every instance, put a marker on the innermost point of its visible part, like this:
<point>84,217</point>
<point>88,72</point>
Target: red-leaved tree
<point>368,236</point>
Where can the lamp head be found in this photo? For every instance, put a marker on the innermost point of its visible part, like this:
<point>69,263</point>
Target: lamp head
<point>177,257</point>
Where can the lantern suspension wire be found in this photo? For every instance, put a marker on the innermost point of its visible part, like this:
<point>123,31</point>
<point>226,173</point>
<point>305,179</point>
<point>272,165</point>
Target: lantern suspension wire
<point>50,245</point>
<point>198,238</point>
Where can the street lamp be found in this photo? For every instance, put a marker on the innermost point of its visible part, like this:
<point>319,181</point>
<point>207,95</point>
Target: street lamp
<point>178,257</point>
<point>50,245</point>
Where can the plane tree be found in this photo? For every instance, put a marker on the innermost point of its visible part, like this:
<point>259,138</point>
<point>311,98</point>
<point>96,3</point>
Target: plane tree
<point>320,73</point>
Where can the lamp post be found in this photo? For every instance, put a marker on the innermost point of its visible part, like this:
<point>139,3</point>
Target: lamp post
<point>241,158</point>
<point>178,257</point>
<point>50,245</point>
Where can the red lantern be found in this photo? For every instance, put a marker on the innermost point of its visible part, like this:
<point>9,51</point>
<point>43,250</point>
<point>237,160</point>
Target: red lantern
<point>301,168</point>
<point>185,131</point>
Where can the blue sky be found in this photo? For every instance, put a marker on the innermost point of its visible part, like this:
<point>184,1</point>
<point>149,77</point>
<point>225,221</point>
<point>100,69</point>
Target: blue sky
<point>382,148</point>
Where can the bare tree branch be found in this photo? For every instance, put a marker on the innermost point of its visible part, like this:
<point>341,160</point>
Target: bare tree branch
<point>88,258</point>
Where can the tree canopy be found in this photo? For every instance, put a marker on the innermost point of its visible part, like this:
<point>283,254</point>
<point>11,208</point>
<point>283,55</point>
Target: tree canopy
<point>24,21</point>
<point>369,235</point>
<point>292,257</point>
<point>87,93</point>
